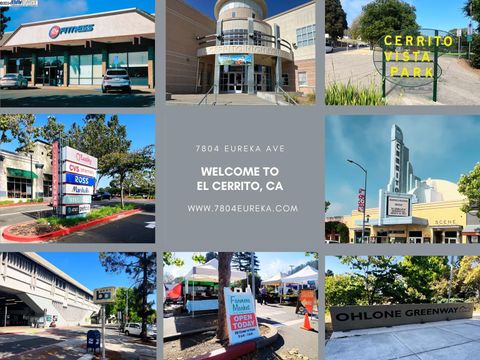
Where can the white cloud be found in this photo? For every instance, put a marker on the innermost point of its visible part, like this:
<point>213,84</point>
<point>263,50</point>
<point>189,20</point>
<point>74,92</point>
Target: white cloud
<point>276,265</point>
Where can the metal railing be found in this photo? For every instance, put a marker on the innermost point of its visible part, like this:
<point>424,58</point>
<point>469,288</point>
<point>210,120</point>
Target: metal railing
<point>204,100</point>
<point>289,99</point>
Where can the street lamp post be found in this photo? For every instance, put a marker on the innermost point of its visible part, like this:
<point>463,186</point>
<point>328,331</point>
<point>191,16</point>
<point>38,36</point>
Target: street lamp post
<point>31,174</point>
<point>365,200</point>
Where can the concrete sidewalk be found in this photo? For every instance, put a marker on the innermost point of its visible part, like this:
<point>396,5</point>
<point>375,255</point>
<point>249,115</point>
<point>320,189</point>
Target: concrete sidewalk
<point>176,325</point>
<point>445,340</point>
<point>222,99</point>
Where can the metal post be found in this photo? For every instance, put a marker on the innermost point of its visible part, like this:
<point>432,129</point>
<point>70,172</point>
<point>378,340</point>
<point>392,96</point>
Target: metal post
<point>252,267</point>
<point>435,69</point>
<point>451,279</point>
<point>5,319</point>
<point>384,73</point>
<point>365,197</point>
<point>127,316</point>
<point>103,332</point>
<point>31,175</point>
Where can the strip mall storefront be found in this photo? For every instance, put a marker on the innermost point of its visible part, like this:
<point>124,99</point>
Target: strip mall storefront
<point>78,50</point>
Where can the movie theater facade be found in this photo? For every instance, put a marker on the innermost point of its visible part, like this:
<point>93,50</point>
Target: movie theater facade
<point>77,51</point>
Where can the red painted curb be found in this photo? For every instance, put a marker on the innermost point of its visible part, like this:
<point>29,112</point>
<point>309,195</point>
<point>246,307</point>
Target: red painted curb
<point>24,204</point>
<point>63,232</point>
<point>231,352</point>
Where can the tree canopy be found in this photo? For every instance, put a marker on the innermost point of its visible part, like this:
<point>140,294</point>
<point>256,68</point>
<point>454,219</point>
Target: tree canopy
<point>382,17</point>
<point>335,19</point>
<point>469,185</point>
<point>4,19</point>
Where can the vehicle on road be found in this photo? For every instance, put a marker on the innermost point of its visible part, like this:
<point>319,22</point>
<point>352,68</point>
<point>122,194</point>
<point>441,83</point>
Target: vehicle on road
<point>102,195</point>
<point>116,79</point>
<point>136,329</point>
<point>13,80</point>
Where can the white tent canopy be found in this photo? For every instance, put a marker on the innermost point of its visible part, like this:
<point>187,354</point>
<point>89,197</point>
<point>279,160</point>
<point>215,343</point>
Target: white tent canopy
<point>209,272</point>
<point>303,276</point>
<point>275,280</point>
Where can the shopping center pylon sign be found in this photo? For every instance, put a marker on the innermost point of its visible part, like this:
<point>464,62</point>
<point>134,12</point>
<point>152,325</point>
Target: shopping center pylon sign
<point>73,180</point>
<point>241,316</point>
<point>410,58</point>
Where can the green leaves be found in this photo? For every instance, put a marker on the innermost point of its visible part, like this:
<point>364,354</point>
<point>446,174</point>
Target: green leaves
<point>335,19</point>
<point>469,185</point>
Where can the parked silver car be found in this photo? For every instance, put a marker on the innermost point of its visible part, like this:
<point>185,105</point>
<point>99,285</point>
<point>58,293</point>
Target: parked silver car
<point>116,79</point>
<point>13,80</point>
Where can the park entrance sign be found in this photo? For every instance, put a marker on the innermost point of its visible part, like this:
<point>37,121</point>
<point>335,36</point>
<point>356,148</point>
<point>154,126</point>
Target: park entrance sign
<point>73,180</point>
<point>410,58</point>
<point>241,316</point>
<point>346,318</point>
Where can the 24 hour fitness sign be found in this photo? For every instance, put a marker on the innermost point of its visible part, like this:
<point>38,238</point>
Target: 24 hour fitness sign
<point>346,318</point>
<point>241,317</point>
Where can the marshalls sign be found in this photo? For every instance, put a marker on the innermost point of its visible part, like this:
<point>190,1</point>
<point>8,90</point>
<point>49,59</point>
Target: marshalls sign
<point>241,317</point>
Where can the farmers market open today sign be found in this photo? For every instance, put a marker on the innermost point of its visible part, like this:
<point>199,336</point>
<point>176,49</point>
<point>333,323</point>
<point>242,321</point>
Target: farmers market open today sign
<point>346,318</point>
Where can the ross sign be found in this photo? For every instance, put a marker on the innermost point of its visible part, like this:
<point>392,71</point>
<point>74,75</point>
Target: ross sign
<point>398,206</point>
<point>79,157</point>
<point>225,60</point>
<point>361,200</point>
<point>72,210</point>
<point>78,179</point>
<point>241,317</point>
<point>77,189</point>
<point>346,318</point>
<point>410,59</point>
<point>56,31</point>
<point>306,299</point>
<point>55,160</point>
<point>76,199</point>
<point>104,295</point>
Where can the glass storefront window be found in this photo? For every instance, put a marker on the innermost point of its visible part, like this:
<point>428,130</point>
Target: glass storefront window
<point>116,60</point>
<point>86,70</point>
<point>74,69</point>
<point>97,69</point>
<point>18,188</point>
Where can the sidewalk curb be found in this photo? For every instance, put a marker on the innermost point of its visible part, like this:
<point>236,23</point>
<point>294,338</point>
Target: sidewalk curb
<point>236,351</point>
<point>24,204</point>
<point>55,234</point>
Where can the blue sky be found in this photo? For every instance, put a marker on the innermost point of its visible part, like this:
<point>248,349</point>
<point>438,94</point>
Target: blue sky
<point>441,147</point>
<point>270,263</point>
<point>274,6</point>
<point>54,9</point>
<point>87,270</point>
<point>140,130</point>
<point>438,14</point>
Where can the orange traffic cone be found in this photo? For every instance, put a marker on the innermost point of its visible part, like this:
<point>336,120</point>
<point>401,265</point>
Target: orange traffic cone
<point>306,323</point>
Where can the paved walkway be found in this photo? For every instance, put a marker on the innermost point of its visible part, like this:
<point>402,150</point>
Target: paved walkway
<point>222,99</point>
<point>445,340</point>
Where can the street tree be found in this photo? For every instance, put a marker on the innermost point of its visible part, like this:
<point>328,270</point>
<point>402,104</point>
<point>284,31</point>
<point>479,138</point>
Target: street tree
<point>20,128</point>
<point>343,289</point>
<point>335,19</point>
<point>142,268</point>
<point>382,17</point>
<point>4,19</point>
<point>469,186</point>
<point>210,255</point>
<point>379,276</point>
<point>472,9</point>
<point>469,274</point>
<point>169,258</point>
<point>119,165</point>
<point>355,28</point>
<point>224,275</point>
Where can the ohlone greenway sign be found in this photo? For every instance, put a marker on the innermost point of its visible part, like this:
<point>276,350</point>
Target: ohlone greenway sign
<point>346,318</point>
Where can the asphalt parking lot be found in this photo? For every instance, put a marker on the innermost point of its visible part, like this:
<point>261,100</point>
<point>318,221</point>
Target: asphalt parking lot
<point>65,97</point>
<point>458,85</point>
<point>444,340</point>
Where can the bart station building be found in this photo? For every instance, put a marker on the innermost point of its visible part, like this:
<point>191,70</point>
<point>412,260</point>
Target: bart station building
<point>242,50</point>
<point>77,51</point>
<point>33,292</point>
<point>20,173</point>
<point>412,210</point>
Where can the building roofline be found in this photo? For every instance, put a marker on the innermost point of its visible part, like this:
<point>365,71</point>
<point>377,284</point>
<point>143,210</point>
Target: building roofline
<point>290,10</point>
<point>37,258</point>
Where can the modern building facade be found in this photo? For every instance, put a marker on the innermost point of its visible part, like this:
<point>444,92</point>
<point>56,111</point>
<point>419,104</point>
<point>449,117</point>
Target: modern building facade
<point>76,51</point>
<point>242,50</point>
<point>412,210</point>
<point>22,172</point>
<point>33,292</point>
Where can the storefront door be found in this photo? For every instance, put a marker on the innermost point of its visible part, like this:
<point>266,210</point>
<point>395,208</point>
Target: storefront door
<point>50,76</point>
<point>235,82</point>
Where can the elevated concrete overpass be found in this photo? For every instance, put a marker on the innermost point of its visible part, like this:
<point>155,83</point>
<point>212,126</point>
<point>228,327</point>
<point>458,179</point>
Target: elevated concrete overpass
<point>35,292</point>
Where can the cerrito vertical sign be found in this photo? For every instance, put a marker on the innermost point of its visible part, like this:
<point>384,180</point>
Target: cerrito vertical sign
<point>74,175</point>
<point>241,317</point>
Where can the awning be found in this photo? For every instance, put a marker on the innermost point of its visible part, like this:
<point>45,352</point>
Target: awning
<point>21,173</point>
<point>472,230</point>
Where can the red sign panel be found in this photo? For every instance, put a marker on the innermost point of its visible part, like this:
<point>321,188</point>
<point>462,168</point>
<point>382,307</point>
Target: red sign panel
<point>307,298</point>
<point>55,160</point>
<point>243,321</point>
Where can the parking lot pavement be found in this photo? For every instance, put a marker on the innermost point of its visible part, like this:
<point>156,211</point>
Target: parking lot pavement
<point>445,340</point>
<point>458,85</point>
<point>64,97</point>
